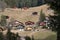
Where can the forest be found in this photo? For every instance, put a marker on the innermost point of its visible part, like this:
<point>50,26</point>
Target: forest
<point>23,3</point>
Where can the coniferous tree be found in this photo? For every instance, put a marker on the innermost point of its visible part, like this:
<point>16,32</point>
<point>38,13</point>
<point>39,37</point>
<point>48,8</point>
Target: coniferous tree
<point>42,16</point>
<point>8,35</point>
<point>17,37</point>
<point>11,36</point>
<point>55,5</point>
<point>10,3</point>
<point>34,3</point>
<point>1,36</point>
<point>27,38</point>
<point>21,3</point>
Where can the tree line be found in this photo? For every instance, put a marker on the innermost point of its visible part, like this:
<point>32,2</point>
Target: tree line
<point>23,3</point>
<point>55,5</point>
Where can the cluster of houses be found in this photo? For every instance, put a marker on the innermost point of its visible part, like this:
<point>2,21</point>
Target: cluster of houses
<point>19,25</point>
<point>27,26</point>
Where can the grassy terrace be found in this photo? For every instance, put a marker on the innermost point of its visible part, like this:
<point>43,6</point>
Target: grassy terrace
<point>45,36</point>
<point>39,35</point>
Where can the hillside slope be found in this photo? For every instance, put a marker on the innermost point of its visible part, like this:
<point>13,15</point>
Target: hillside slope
<point>26,15</point>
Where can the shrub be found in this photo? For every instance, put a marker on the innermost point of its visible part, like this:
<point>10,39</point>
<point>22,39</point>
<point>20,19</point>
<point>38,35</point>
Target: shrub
<point>3,20</point>
<point>27,38</point>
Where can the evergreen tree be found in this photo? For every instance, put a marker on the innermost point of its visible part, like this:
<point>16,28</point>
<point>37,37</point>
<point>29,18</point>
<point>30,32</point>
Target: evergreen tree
<point>55,5</point>
<point>42,16</point>
<point>1,36</point>
<point>8,35</point>
<point>17,37</point>
<point>53,23</point>
<point>28,3</point>
<point>27,38</point>
<point>11,36</point>
<point>34,3</point>
<point>21,3</point>
<point>10,3</point>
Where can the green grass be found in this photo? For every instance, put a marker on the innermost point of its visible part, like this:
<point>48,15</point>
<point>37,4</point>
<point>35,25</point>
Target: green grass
<point>45,35</point>
<point>21,16</point>
<point>41,35</point>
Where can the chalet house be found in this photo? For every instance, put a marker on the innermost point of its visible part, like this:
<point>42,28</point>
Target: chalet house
<point>16,24</point>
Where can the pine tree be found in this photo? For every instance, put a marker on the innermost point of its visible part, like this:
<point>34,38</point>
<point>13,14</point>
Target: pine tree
<point>55,5</point>
<point>34,3</point>
<point>11,36</point>
<point>8,35</point>
<point>21,3</point>
<point>17,37</point>
<point>10,3</point>
<point>42,16</point>
<point>1,36</point>
<point>27,38</point>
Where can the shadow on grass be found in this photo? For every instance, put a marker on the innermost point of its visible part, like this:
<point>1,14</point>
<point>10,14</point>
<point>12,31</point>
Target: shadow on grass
<point>51,37</point>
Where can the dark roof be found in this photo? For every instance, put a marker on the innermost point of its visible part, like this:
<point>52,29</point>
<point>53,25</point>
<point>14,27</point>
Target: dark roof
<point>20,26</point>
<point>29,23</point>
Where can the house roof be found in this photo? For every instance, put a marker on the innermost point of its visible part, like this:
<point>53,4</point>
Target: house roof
<point>29,23</point>
<point>15,23</point>
<point>20,26</point>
